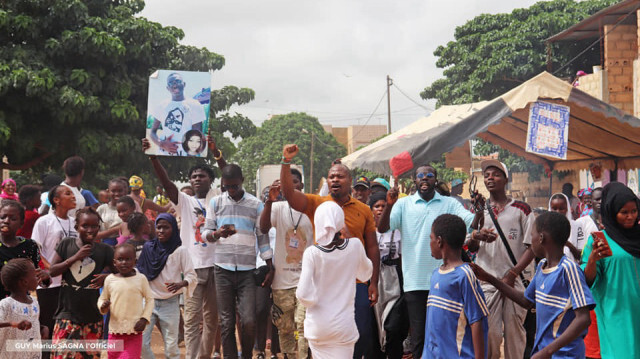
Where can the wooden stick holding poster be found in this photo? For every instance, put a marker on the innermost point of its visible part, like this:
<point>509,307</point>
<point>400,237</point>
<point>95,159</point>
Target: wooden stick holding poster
<point>178,113</point>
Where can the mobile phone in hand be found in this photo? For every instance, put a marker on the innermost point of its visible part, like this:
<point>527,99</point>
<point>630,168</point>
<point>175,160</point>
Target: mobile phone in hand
<point>598,237</point>
<point>230,227</point>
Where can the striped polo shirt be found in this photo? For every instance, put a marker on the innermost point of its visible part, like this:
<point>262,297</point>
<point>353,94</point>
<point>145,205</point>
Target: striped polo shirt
<point>237,252</point>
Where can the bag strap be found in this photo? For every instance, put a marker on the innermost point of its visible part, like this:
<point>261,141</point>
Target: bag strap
<point>503,238</point>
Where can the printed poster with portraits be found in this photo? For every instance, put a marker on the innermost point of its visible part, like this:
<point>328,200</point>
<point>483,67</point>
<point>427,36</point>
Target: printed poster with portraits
<point>178,113</point>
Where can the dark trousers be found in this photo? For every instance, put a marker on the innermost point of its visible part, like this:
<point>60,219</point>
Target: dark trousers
<point>417,308</point>
<point>264,324</point>
<point>236,287</point>
<point>363,321</point>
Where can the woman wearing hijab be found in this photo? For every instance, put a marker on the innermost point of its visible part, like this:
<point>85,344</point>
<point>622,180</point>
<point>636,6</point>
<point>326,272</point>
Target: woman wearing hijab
<point>612,269</point>
<point>559,202</point>
<point>9,190</point>
<point>167,266</point>
<point>327,285</point>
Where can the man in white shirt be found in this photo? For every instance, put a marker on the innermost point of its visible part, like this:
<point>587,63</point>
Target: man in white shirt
<point>201,308</point>
<point>294,233</point>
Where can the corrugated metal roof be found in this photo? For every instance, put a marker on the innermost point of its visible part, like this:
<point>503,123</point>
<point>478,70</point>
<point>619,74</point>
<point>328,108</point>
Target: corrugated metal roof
<point>591,27</point>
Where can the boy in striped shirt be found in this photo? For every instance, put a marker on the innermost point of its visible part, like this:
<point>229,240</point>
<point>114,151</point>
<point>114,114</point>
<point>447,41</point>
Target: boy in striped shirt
<point>558,290</point>
<point>457,324</point>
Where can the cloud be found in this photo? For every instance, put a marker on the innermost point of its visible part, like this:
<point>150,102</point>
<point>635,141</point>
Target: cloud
<point>329,58</point>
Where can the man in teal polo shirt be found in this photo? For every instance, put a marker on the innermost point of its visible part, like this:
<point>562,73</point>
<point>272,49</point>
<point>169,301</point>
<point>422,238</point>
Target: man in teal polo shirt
<point>413,216</point>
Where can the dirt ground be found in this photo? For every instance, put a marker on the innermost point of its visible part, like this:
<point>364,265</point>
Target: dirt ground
<point>157,345</point>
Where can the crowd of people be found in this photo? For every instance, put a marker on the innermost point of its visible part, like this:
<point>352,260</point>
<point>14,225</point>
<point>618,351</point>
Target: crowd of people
<point>361,270</point>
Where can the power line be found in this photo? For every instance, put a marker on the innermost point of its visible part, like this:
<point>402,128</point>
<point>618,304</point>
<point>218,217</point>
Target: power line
<point>597,41</point>
<point>410,99</point>
<point>370,116</point>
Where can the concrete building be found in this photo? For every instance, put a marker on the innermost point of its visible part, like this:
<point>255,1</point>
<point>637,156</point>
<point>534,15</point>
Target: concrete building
<point>617,79</point>
<point>353,137</point>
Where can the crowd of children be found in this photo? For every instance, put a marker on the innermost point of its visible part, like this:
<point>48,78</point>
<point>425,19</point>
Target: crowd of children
<point>122,267</point>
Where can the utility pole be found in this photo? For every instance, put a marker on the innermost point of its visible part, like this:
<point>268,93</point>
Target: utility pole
<point>311,165</point>
<point>389,83</point>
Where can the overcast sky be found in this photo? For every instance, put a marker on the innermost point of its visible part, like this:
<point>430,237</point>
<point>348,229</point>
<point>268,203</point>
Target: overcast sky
<point>328,58</point>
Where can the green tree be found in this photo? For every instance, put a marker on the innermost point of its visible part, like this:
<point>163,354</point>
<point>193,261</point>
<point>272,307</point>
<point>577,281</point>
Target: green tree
<point>266,146</point>
<point>494,53</point>
<point>74,80</point>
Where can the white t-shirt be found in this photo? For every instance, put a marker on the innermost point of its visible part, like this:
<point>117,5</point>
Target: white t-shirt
<point>192,214</point>
<point>47,232</point>
<point>580,231</point>
<point>80,201</point>
<point>290,244</point>
<point>13,311</point>
<point>177,268</point>
<point>178,117</point>
<point>389,242</point>
<point>109,216</point>
<point>587,225</point>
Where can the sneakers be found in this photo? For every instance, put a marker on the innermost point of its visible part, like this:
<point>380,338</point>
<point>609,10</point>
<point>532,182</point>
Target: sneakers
<point>260,356</point>
<point>217,355</point>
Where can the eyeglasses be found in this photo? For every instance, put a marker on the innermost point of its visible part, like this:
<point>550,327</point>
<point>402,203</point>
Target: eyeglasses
<point>175,82</point>
<point>231,186</point>
<point>422,175</point>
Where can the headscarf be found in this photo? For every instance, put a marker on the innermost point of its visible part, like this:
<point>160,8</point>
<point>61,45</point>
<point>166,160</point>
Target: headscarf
<point>135,182</point>
<point>614,196</point>
<point>154,254</point>
<point>329,220</point>
<point>4,194</point>
<point>568,214</point>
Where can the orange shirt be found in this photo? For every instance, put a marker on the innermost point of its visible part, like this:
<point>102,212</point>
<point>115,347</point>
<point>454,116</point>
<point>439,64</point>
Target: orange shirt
<point>358,217</point>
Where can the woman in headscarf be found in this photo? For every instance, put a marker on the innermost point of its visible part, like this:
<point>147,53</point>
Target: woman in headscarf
<point>559,202</point>
<point>612,269</point>
<point>9,190</point>
<point>327,285</point>
<point>167,266</point>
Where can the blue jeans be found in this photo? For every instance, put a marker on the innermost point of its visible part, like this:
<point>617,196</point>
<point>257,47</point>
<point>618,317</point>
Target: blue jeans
<point>167,313</point>
<point>363,321</point>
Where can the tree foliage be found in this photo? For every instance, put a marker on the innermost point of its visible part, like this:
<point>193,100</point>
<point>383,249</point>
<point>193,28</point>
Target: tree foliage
<point>74,80</point>
<point>494,53</point>
<point>266,146</point>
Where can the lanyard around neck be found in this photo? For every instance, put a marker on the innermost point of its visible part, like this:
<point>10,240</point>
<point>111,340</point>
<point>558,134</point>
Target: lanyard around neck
<point>66,234</point>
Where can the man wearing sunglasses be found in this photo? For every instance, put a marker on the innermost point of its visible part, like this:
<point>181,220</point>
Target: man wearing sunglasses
<point>175,117</point>
<point>413,216</point>
<point>359,223</point>
<point>232,225</point>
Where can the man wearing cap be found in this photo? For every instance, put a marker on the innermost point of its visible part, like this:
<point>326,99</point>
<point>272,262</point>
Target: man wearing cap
<point>361,190</point>
<point>413,216</point>
<point>380,185</point>
<point>456,189</point>
<point>516,219</point>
